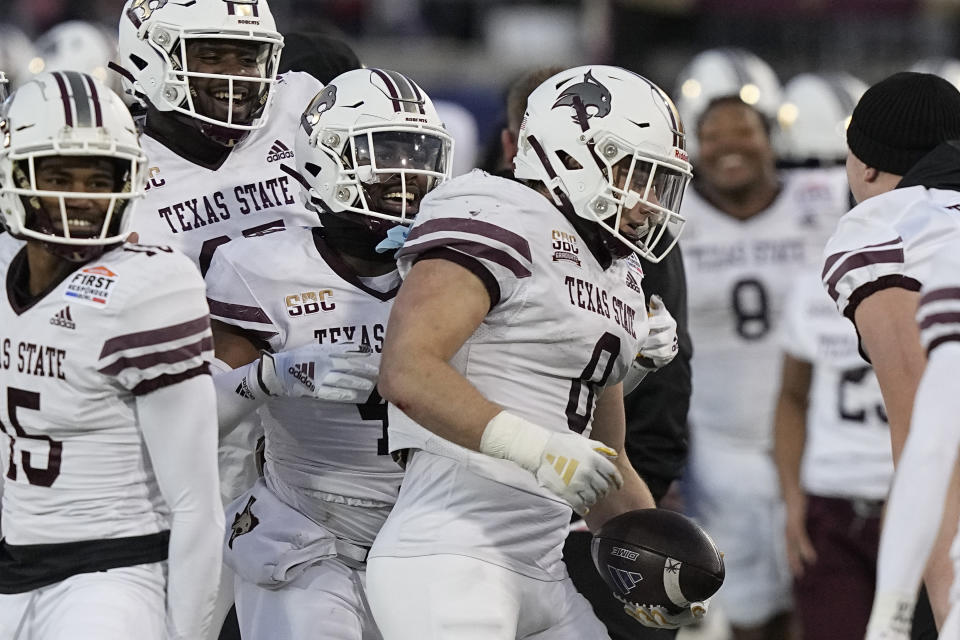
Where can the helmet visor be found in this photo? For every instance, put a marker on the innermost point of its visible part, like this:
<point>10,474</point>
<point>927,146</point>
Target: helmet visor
<point>650,191</point>
<point>393,169</point>
<point>401,151</point>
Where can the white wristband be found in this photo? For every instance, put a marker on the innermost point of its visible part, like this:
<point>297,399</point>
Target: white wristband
<point>892,611</point>
<point>512,438</point>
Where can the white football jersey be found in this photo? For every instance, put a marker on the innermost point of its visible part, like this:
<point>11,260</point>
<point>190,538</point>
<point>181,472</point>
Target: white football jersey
<point>291,289</point>
<point>71,364</point>
<point>559,330</point>
<point>738,275</point>
<point>847,452</point>
<point>196,210</point>
<point>888,241</point>
<point>8,247</point>
<point>938,313</point>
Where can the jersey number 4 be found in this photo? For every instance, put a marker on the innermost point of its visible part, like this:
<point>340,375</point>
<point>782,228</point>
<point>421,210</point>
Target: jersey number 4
<point>29,445</point>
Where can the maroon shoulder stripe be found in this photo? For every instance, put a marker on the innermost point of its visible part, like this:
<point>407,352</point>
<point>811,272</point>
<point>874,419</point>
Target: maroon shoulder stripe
<point>65,99</point>
<point>832,259</point>
<point>937,295</point>
<point>939,340</point>
<point>171,356</point>
<point>240,312</point>
<point>475,249</point>
<point>166,380</point>
<point>863,259</point>
<point>478,227</point>
<point>155,336</point>
<point>949,317</point>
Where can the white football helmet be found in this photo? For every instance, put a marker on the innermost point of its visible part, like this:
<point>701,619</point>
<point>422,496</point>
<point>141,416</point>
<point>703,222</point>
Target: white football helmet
<point>16,54</point>
<point>371,129</point>
<point>583,121</point>
<point>814,116</point>
<point>154,35</point>
<point>66,113</point>
<point>726,71</point>
<point>76,46</point>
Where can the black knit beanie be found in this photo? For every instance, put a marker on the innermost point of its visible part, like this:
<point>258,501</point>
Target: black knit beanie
<point>901,119</point>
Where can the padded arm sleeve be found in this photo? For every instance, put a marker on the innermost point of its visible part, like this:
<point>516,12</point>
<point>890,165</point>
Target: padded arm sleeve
<point>179,428</point>
<point>911,524</point>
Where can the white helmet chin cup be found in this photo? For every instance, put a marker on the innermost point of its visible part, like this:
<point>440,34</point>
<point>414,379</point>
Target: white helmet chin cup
<point>604,141</point>
<point>154,35</point>
<point>372,127</point>
<point>66,114</point>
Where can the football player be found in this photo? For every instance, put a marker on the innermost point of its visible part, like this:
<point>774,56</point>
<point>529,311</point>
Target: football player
<point>928,460</point>
<point>520,314</point>
<point>751,231</point>
<point>832,449</point>
<point>900,168</point>
<point>370,146</point>
<point>111,515</point>
<point>219,121</point>
<point>219,124</point>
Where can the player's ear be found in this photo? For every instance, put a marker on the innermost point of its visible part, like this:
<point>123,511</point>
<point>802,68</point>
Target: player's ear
<point>870,174</point>
<point>508,140</point>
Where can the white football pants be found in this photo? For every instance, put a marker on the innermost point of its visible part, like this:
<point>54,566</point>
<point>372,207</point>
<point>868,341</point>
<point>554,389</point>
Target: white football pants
<point>450,597</point>
<point>119,604</point>
<point>327,601</point>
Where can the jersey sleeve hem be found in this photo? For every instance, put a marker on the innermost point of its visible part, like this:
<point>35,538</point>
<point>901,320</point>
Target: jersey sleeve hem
<point>472,265</point>
<point>168,379</point>
<point>864,291</point>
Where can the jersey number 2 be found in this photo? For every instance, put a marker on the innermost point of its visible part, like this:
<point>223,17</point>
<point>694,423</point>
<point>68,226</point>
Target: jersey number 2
<point>41,476</point>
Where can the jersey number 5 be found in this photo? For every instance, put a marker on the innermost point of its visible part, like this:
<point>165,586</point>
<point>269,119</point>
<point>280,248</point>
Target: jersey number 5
<point>41,476</point>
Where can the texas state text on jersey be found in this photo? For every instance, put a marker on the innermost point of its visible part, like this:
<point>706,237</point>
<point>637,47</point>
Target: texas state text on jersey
<point>71,364</point>
<point>290,289</point>
<point>196,209</point>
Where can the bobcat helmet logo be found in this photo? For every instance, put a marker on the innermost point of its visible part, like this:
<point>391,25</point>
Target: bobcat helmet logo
<point>243,522</point>
<point>584,95</point>
<point>143,9</point>
<point>322,103</point>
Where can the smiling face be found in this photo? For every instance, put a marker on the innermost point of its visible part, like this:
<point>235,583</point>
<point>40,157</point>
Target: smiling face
<point>735,151</point>
<point>237,101</point>
<point>85,216</point>
<point>396,189</point>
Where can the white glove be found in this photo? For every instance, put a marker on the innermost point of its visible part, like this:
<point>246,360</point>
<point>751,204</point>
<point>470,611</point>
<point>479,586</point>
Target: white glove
<point>658,617</point>
<point>575,468</point>
<point>660,347</point>
<point>337,373</point>
<point>891,617</point>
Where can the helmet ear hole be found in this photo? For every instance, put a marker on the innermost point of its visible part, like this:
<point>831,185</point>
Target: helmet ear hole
<point>569,162</point>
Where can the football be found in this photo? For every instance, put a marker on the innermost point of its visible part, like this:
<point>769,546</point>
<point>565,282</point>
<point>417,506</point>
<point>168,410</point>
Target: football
<point>657,557</point>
